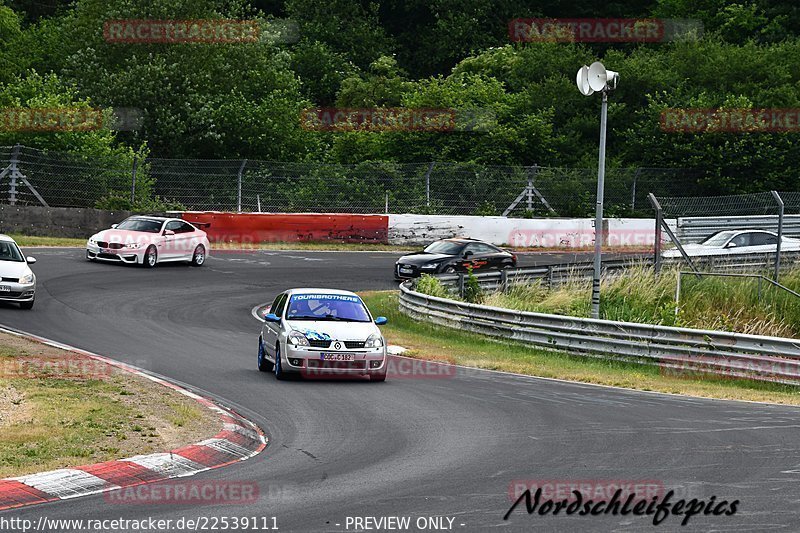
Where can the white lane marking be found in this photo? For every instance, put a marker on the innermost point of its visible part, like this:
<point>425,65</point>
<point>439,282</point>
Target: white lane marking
<point>66,483</point>
<point>254,312</point>
<point>241,430</point>
<point>167,464</point>
<point>581,383</point>
<point>697,399</point>
<point>227,446</point>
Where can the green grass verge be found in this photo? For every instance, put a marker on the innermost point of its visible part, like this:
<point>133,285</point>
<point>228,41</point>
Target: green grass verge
<point>428,341</point>
<point>719,303</point>
<point>59,410</point>
<point>27,240</point>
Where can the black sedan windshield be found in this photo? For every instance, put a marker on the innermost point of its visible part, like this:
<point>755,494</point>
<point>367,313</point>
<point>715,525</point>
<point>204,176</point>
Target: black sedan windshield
<point>444,247</point>
<point>140,224</point>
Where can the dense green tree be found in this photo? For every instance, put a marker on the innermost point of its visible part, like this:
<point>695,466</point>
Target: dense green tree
<point>349,27</point>
<point>514,103</point>
<point>9,32</point>
<point>208,100</point>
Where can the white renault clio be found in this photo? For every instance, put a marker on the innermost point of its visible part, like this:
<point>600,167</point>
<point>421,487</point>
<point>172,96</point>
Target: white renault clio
<point>322,333</point>
<point>17,280</point>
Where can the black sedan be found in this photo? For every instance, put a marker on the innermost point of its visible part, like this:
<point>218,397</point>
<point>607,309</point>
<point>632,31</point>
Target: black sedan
<point>449,256</point>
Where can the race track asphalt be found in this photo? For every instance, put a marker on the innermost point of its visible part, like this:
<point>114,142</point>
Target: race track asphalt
<point>446,447</point>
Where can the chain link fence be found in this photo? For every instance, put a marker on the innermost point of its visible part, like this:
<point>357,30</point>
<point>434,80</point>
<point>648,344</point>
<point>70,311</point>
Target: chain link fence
<point>743,220</point>
<point>763,203</point>
<point>36,177</point>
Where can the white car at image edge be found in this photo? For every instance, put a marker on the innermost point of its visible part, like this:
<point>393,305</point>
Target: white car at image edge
<point>17,280</point>
<point>322,333</point>
<point>149,240</point>
<point>735,242</point>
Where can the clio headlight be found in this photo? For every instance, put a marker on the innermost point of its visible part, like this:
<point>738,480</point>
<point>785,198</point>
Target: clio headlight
<point>374,341</point>
<point>298,339</point>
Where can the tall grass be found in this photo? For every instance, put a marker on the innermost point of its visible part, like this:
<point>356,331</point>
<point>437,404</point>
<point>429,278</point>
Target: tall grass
<point>638,295</point>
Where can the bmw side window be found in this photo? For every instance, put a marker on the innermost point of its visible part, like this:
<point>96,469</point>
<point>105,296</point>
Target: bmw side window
<point>185,228</point>
<point>173,225</point>
<point>759,239</point>
<point>741,240</point>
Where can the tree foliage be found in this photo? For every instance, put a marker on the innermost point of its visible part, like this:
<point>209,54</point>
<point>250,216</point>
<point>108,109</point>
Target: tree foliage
<point>515,104</point>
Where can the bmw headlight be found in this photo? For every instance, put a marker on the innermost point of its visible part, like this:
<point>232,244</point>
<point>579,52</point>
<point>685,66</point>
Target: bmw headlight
<point>374,341</point>
<point>429,266</point>
<point>298,339</point>
<point>93,241</point>
<point>28,278</point>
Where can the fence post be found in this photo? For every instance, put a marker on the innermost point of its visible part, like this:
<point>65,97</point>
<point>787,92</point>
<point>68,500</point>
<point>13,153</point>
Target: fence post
<point>780,233</point>
<point>428,184</point>
<point>530,194</point>
<point>633,189</point>
<point>759,288</point>
<point>13,166</point>
<point>461,285</point>
<point>133,179</point>
<point>504,280</point>
<point>239,187</point>
<point>657,243</point>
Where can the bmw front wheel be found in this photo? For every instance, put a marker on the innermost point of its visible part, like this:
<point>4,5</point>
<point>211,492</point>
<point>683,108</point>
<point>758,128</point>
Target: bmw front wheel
<point>150,257</point>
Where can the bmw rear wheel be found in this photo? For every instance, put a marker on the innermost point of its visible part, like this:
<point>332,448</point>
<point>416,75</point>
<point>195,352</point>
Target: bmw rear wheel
<point>450,270</point>
<point>199,256</point>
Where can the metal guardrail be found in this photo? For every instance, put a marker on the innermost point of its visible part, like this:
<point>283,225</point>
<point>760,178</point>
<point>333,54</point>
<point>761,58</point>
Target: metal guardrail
<point>554,275</point>
<point>696,229</point>
<point>678,351</point>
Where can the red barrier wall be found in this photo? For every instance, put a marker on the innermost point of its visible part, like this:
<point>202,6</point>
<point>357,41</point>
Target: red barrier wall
<point>278,227</point>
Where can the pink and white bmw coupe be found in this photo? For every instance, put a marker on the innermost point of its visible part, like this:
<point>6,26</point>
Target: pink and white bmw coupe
<point>147,241</point>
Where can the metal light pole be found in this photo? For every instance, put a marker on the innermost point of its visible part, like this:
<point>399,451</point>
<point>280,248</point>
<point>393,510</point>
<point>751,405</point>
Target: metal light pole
<point>590,80</point>
<point>598,217</point>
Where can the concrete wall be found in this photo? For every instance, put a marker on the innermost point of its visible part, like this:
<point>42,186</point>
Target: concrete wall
<point>56,221</point>
<point>543,233</point>
<point>247,228</point>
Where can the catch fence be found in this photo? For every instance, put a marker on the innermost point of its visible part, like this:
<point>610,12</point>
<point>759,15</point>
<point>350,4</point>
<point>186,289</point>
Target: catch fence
<point>35,177</point>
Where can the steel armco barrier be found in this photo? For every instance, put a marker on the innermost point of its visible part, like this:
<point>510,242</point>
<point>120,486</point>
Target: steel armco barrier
<point>553,275</point>
<point>678,350</point>
<point>695,229</point>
